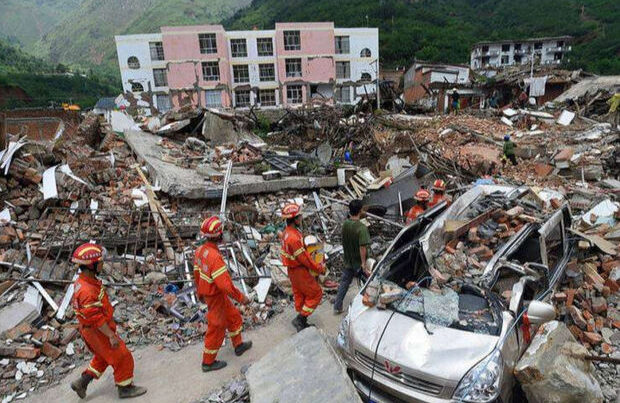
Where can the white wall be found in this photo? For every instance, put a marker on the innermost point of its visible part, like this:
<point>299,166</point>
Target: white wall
<point>138,46</point>
<point>360,38</point>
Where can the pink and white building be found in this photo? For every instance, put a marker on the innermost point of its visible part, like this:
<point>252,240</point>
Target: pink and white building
<point>290,65</point>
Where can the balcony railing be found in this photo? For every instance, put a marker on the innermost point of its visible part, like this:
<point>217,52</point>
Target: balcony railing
<point>552,49</point>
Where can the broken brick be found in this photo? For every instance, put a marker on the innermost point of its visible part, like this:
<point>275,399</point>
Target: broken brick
<point>51,350</point>
<point>543,170</point>
<point>18,331</point>
<point>606,348</point>
<point>577,317</point>
<point>592,338</point>
<point>25,352</point>
<point>599,304</point>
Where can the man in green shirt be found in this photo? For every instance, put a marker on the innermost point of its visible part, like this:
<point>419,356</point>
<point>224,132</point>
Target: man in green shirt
<point>355,240</point>
<point>509,151</point>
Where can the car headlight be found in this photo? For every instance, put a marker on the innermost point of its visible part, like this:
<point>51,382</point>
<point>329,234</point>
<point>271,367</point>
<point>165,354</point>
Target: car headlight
<point>482,383</point>
<point>343,333</point>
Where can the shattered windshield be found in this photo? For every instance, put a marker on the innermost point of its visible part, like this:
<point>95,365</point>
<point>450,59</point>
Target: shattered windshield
<point>447,308</point>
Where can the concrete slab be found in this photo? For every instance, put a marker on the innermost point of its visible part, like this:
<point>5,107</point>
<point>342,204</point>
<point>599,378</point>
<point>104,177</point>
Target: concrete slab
<point>187,183</point>
<point>302,369</point>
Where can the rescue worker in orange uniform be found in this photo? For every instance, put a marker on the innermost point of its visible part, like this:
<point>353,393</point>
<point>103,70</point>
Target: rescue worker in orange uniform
<point>422,197</point>
<point>97,327</point>
<point>302,269</point>
<point>214,287</point>
<point>439,193</point>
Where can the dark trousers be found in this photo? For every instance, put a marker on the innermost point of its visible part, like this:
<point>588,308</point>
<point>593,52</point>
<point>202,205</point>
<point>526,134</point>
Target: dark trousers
<point>345,281</point>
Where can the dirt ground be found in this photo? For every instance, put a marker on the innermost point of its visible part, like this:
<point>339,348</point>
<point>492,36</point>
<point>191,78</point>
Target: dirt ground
<point>177,377</point>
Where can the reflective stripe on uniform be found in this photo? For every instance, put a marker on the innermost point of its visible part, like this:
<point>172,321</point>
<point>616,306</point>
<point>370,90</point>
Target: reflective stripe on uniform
<point>207,351</point>
<point>196,267</point>
<point>236,332</point>
<point>101,294</point>
<point>205,277</point>
<point>94,371</point>
<point>286,255</point>
<point>98,303</point>
<point>305,308</point>
<point>125,383</point>
<point>218,272</point>
<point>80,314</point>
<point>313,273</point>
<point>298,252</point>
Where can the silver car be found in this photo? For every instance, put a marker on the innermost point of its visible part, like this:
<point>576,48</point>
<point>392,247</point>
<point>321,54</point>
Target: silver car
<point>458,345</point>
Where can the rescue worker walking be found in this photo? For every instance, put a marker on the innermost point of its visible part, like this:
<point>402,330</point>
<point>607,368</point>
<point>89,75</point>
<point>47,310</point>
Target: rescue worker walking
<point>509,151</point>
<point>97,327</point>
<point>214,287</point>
<point>302,269</point>
<point>439,193</point>
<point>421,197</point>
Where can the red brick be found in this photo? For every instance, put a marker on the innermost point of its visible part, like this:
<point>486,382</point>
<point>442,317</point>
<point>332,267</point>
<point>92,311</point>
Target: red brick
<point>555,203</point>
<point>599,323</point>
<point>613,285</point>
<point>559,296</point>
<point>542,170</point>
<point>18,331</point>
<point>450,250</point>
<point>577,317</point>
<point>51,350</point>
<point>587,315</point>
<point>592,338</point>
<point>610,265</point>
<point>472,234</point>
<point>25,352</point>
<point>570,295</point>
<point>578,333</point>
<point>607,349</point>
<point>68,334</point>
<point>599,305</point>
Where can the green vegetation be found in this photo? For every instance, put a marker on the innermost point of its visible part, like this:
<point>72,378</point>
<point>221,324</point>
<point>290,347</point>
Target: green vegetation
<point>43,82</point>
<point>445,30</point>
<point>86,36</point>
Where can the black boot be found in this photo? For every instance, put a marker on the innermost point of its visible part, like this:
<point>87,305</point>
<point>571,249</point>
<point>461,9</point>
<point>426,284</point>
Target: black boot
<point>214,366</point>
<point>298,322</point>
<point>304,323</point>
<point>129,391</point>
<point>242,348</point>
<point>79,385</point>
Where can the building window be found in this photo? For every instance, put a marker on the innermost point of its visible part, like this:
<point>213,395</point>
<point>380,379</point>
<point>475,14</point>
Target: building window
<point>136,87</point>
<point>133,63</point>
<point>242,98</point>
<point>557,56</point>
<point>264,46</point>
<point>506,48</point>
<point>160,77</point>
<point>213,98</point>
<point>560,44</point>
<point>365,53</point>
<point>208,43</point>
<point>238,48</point>
<point>266,72</point>
<point>267,97</point>
<point>241,73</point>
<point>294,94</point>
<point>518,59</point>
<point>366,77</point>
<point>485,48</point>
<point>163,103</point>
<point>292,40</point>
<point>342,44</point>
<point>343,94</point>
<point>210,71</point>
<point>293,67</point>
<point>343,69</point>
<point>538,46</point>
<point>157,51</point>
<point>505,59</point>
<point>517,46</point>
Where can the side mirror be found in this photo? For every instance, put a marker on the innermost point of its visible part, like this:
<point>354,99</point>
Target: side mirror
<point>540,312</point>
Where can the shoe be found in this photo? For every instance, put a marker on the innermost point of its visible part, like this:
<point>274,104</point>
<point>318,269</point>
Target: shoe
<point>304,323</point>
<point>127,392</point>
<point>298,322</point>
<point>79,385</point>
<point>214,366</point>
<point>338,311</point>
<point>242,348</point>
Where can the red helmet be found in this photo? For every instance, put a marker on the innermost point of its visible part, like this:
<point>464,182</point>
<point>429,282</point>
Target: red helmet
<point>211,227</point>
<point>291,210</point>
<point>87,254</point>
<point>422,195</point>
<point>439,185</point>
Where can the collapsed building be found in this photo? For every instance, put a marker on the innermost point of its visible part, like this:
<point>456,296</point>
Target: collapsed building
<point>141,184</point>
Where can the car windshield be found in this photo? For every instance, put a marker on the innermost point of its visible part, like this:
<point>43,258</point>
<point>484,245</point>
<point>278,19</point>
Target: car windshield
<point>446,308</point>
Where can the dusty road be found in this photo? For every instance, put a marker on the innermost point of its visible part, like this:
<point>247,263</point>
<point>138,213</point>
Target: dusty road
<point>177,377</point>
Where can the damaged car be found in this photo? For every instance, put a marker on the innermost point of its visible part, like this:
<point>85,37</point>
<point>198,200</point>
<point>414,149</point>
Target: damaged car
<point>454,301</point>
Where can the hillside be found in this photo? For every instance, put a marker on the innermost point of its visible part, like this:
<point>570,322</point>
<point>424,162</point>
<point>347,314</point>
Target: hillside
<point>444,30</point>
<point>25,21</point>
<point>29,81</point>
<point>86,36</point>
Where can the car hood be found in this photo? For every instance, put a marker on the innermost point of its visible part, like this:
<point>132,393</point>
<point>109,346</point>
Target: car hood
<point>446,354</point>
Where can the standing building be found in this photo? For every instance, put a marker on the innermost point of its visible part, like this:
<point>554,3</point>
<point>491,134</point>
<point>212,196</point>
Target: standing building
<point>494,55</point>
<point>293,64</point>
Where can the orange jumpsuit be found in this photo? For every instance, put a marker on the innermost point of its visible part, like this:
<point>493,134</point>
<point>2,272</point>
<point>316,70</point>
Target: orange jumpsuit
<point>438,198</point>
<point>214,286</point>
<point>302,271</point>
<point>414,212</point>
<point>93,310</point>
